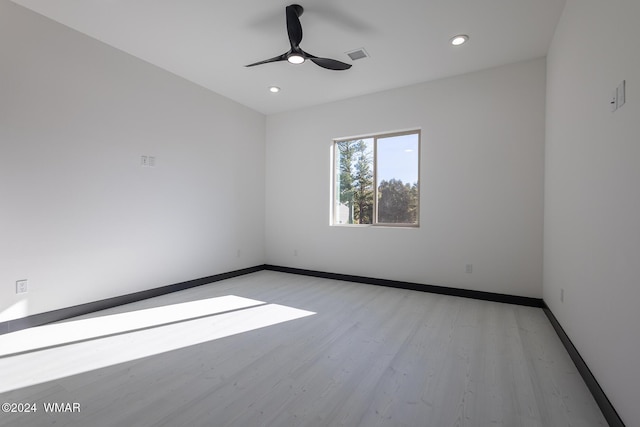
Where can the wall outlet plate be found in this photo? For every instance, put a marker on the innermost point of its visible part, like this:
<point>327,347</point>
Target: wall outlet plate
<point>22,286</point>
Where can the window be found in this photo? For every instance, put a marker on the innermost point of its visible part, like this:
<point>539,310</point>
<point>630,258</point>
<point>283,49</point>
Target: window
<point>376,180</point>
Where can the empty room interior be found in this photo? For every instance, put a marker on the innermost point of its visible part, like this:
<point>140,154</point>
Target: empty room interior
<point>430,220</point>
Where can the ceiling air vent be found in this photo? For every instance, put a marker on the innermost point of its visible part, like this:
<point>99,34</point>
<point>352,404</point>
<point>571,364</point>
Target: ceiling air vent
<point>358,54</point>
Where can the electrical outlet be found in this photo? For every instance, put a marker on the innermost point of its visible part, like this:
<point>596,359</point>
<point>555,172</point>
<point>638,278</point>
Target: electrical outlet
<point>239,253</point>
<point>295,252</point>
<point>468,268</point>
<point>22,286</point>
<point>144,161</point>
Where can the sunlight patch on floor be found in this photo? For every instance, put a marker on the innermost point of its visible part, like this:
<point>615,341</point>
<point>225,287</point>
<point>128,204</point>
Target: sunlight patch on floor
<point>91,345</point>
<point>71,331</point>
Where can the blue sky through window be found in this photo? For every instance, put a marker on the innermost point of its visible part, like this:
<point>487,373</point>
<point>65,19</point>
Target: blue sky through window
<point>398,158</point>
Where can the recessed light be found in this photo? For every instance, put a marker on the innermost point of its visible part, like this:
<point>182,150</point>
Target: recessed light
<point>459,39</point>
<point>274,89</point>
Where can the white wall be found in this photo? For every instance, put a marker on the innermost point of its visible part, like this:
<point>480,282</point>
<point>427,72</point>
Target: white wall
<point>481,183</point>
<point>79,218</point>
<point>592,192</point>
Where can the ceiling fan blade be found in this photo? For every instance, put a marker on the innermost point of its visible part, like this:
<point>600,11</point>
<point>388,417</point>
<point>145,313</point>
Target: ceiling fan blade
<point>330,64</point>
<point>294,28</point>
<point>282,57</point>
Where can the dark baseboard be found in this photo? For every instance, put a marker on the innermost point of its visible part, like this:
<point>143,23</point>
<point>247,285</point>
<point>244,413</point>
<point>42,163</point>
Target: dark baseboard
<point>444,290</point>
<point>78,310</point>
<point>600,397</point>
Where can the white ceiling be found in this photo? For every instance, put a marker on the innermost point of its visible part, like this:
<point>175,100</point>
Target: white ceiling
<point>209,41</point>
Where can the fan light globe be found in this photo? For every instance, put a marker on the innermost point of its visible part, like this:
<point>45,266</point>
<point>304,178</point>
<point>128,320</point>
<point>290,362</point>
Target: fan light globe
<point>295,59</point>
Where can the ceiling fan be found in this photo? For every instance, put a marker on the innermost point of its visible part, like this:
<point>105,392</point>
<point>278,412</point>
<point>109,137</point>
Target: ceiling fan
<point>296,55</point>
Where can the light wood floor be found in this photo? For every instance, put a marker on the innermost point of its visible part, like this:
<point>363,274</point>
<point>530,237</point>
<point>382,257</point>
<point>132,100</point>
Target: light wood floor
<point>306,352</point>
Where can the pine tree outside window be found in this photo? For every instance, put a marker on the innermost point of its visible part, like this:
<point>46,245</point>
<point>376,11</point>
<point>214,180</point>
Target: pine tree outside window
<point>376,180</point>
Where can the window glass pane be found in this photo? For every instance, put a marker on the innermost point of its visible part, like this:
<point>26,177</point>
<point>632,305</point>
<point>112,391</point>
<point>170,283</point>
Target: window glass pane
<point>354,182</point>
<point>397,179</point>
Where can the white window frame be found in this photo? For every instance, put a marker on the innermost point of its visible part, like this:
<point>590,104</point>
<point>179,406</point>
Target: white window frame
<point>334,164</point>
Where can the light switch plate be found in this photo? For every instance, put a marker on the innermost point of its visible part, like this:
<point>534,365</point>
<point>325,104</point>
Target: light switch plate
<point>614,100</point>
<point>620,99</point>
